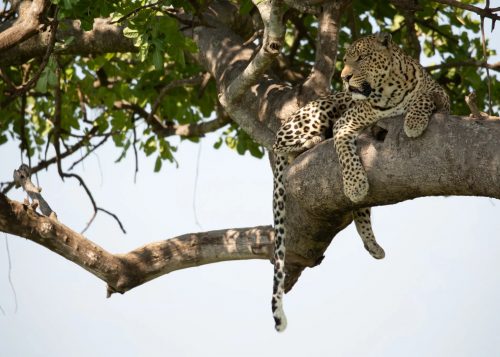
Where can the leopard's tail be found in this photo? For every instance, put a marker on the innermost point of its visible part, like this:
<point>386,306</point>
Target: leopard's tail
<point>363,222</point>
<point>279,243</point>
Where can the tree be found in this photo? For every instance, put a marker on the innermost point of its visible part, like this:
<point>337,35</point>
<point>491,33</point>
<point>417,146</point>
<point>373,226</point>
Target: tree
<point>78,73</point>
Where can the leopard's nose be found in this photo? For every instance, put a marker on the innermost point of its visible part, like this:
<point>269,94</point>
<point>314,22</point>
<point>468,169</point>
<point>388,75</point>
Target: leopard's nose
<point>346,77</point>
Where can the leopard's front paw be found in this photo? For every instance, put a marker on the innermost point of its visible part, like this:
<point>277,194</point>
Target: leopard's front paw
<point>356,189</point>
<point>414,127</point>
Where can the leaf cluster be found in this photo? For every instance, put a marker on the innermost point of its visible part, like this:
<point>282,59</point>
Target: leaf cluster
<point>111,95</point>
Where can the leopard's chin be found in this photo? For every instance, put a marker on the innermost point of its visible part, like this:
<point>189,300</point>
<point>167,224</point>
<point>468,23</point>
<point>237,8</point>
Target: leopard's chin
<point>358,96</point>
<point>360,92</point>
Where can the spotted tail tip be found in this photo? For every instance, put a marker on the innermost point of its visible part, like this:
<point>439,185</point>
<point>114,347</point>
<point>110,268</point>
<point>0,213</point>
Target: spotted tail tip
<point>280,321</point>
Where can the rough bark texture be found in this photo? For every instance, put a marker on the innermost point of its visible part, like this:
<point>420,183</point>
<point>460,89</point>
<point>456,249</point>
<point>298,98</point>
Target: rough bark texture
<point>454,156</point>
<point>103,38</point>
<point>25,26</point>
<point>123,272</point>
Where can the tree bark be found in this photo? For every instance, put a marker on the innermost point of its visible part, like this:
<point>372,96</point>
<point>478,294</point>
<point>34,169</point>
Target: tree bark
<point>123,272</point>
<point>455,156</point>
<point>104,37</point>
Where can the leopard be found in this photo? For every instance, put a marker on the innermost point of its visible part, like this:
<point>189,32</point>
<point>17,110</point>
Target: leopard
<point>379,81</point>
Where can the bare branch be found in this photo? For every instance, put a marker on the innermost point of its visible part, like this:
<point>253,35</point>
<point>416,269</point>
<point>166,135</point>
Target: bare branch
<point>482,12</point>
<point>123,272</point>
<point>90,151</point>
<point>46,163</point>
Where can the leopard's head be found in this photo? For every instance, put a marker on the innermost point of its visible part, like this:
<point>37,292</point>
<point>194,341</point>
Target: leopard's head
<point>367,63</point>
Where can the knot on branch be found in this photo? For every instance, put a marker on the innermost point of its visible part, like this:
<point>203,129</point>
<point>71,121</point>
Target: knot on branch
<point>22,179</point>
<point>274,46</point>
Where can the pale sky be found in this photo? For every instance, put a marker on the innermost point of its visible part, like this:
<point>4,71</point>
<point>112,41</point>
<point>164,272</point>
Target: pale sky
<point>437,292</point>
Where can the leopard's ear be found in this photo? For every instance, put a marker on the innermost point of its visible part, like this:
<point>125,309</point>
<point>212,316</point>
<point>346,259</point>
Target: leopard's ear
<point>384,38</point>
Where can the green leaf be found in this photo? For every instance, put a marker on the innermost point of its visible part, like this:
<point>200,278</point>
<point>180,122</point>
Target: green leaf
<point>218,143</point>
<point>41,85</point>
<point>158,164</point>
<point>158,59</point>
<point>130,33</point>
<point>245,7</point>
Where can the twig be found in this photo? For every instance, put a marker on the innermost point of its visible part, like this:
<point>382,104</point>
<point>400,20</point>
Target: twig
<point>469,63</point>
<point>252,38</point>
<point>170,128</point>
<point>94,148</point>
<point>94,205</point>
<point>482,12</point>
<point>46,163</point>
<point>134,142</point>
<point>174,84</point>
<point>135,11</point>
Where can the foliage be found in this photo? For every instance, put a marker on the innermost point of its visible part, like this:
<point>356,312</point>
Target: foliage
<point>93,86</point>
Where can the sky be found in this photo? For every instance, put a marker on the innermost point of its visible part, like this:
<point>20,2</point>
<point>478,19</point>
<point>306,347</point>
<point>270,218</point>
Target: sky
<point>437,292</point>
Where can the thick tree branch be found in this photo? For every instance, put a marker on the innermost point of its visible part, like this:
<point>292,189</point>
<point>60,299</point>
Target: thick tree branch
<point>319,81</point>
<point>308,7</point>
<point>455,156</point>
<point>262,107</point>
<point>27,25</point>
<point>271,12</point>
<point>103,38</point>
<point>123,272</point>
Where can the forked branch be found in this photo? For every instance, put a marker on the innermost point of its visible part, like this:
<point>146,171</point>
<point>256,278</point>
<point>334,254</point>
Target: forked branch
<point>271,12</point>
<point>123,272</point>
